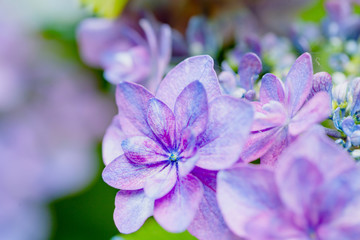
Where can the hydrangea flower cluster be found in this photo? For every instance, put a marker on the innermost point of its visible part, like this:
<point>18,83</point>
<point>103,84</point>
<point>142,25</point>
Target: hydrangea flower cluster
<point>230,152</point>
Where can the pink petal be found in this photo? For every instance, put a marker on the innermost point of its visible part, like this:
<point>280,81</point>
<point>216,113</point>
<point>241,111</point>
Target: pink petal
<point>258,143</point>
<point>277,147</point>
<point>161,183</point>
<point>132,100</point>
<point>208,222</point>
<point>316,110</point>
<point>111,145</point>
<point>191,108</point>
<point>143,150</point>
<point>229,124</point>
<point>243,193</point>
<point>123,174</point>
<point>176,210</point>
<point>162,122</point>
<point>132,208</point>
<point>272,114</point>
<point>271,89</point>
<point>299,82</point>
<point>297,183</point>
<point>192,69</point>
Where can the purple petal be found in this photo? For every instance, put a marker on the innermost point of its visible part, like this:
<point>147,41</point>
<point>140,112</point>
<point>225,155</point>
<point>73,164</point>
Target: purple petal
<point>162,122</point>
<point>161,183</point>
<point>297,182</point>
<point>191,109</point>
<point>299,82</point>
<point>229,124</point>
<point>245,192</point>
<point>249,68</point>
<point>143,150</point>
<point>132,208</point>
<point>208,222</point>
<point>111,145</point>
<point>123,174</point>
<point>270,115</point>
<point>355,107</point>
<point>274,225</point>
<point>227,81</point>
<point>176,210</point>
<point>322,81</point>
<point>194,68</point>
<point>277,147</point>
<point>271,89</point>
<point>316,110</point>
<point>186,165</point>
<point>348,125</point>
<point>310,146</point>
<point>132,100</point>
<point>258,144</point>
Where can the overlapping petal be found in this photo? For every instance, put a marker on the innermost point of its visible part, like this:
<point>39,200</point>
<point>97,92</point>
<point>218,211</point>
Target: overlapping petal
<point>191,108</point>
<point>199,68</point>
<point>249,68</point>
<point>176,210</point>
<point>271,89</point>
<point>229,124</point>
<point>162,122</point>
<point>322,81</point>
<point>111,145</point>
<point>161,182</point>
<point>316,110</point>
<point>243,193</point>
<point>132,100</point>
<point>123,174</point>
<point>132,208</point>
<point>143,150</point>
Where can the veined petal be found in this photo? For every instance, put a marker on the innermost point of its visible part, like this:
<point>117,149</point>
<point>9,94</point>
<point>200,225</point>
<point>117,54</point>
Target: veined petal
<point>208,222</point>
<point>191,108</point>
<point>161,183</point>
<point>316,110</point>
<point>176,210</point>
<point>111,145</point>
<point>123,174</point>
<point>297,183</point>
<point>198,68</point>
<point>272,114</point>
<point>143,150</point>
<point>299,82</point>
<point>132,100</point>
<point>162,122</point>
<point>243,193</point>
<point>258,143</point>
<point>249,68</point>
<point>229,124</point>
<point>355,107</point>
<point>322,81</point>
<point>132,208</point>
<point>277,147</point>
<point>271,89</point>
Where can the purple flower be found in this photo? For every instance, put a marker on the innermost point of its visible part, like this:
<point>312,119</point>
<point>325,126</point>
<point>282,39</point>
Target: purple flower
<point>249,69</point>
<point>125,52</point>
<point>163,151</point>
<point>283,113</point>
<point>313,194</point>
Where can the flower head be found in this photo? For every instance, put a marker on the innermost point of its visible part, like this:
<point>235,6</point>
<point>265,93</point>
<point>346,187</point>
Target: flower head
<point>162,150</point>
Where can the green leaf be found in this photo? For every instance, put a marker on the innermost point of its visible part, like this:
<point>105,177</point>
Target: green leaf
<point>152,230</point>
<point>105,8</point>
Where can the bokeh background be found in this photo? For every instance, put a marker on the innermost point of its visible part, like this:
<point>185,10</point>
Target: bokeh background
<point>54,111</point>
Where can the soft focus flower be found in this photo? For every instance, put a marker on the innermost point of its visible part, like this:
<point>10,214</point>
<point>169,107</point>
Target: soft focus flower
<point>313,194</point>
<point>125,52</point>
<point>163,151</point>
<point>283,113</point>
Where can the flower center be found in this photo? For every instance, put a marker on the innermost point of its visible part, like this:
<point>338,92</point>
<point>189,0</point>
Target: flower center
<point>173,157</point>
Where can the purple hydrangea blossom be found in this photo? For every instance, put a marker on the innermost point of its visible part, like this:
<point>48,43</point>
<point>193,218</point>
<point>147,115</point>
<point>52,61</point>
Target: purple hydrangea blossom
<point>125,52</point>
<point>163,151</point>
<point>313,194</point>
<point>283,112</point>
